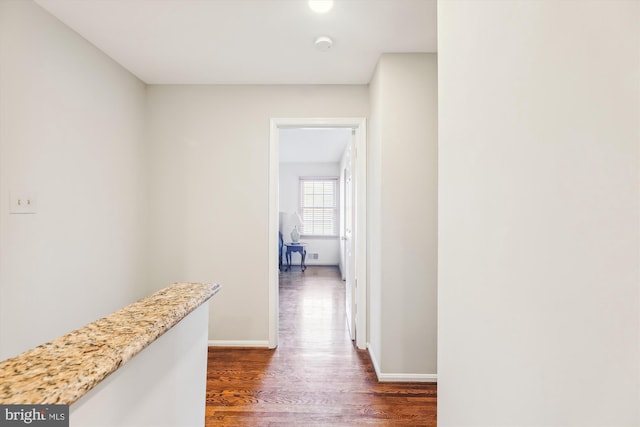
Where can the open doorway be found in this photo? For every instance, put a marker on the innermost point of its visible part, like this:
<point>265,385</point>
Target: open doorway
<point>316,206</point>
<point>348,179</point>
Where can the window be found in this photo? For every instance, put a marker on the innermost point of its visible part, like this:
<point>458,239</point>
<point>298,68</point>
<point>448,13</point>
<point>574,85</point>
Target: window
<point>318,206</point>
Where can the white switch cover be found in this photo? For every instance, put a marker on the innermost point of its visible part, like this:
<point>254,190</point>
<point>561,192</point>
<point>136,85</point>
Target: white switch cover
<point>23,203</point>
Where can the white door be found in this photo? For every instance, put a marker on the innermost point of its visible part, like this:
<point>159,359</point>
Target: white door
<point>349,241</point>
<point>343,249</point>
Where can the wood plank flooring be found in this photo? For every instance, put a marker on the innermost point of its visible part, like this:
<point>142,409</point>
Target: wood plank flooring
<point>316,376</point>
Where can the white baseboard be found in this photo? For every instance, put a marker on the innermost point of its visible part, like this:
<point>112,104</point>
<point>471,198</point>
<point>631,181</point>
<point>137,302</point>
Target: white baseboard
<point>399,378</point>
<point>407,378</point>
<point>239,343</point>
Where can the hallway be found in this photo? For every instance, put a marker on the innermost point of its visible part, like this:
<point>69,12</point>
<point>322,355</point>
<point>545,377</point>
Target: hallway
<point>315,376</point>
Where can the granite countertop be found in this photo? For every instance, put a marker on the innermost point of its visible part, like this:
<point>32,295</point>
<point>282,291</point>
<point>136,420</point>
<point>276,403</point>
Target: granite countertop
<point>63,370</point>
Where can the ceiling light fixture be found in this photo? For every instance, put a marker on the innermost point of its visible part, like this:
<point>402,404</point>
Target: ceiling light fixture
<point>323,43</point>
<point>321,6</point>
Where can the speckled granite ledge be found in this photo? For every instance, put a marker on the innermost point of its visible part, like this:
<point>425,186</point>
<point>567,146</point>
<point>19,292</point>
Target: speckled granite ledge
<point>63,370</point>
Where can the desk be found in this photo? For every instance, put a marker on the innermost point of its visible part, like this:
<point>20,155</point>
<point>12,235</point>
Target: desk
<point>296,247</point>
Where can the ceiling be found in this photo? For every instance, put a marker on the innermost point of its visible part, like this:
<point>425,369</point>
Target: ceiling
<point>313,145</point>
<point>249,41</point>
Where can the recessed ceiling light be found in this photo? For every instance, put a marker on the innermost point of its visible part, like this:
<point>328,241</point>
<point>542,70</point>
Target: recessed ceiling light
<point>321,6</point>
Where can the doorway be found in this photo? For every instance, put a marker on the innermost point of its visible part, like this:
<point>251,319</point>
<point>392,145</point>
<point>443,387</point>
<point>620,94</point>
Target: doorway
<point>358,299</point>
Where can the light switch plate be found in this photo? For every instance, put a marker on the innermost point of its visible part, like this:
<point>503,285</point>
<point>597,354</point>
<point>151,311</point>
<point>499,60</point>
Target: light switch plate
<point>23,203</point>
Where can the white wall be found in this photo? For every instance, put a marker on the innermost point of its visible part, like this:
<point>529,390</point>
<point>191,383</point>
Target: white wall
<point>163,385</point>
<point>403,216</point>
<point>539,220</point>
<point>374,216</point>
<point>210,155</point>
<point>327,248</point>
<point>71,132</point>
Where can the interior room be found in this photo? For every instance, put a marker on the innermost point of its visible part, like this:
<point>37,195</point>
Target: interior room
<point>499,226</point>
<point>315,156</point>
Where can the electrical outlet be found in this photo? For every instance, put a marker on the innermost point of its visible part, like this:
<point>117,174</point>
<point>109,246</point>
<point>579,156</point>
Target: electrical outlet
<point>23,203</point>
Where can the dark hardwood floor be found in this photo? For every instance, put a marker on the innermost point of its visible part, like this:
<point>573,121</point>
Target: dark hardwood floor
<point>316,376</point>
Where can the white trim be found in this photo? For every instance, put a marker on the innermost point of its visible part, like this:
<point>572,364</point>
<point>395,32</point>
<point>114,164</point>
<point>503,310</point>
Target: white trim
<point>360,126</point>
<point>274,219</point>
<point>360,227</point>
<point>374,361</point>
<point>239,343</point>
<point>408,378</point>
<point>399,378</point>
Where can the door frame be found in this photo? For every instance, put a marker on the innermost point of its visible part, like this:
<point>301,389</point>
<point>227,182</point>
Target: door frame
<point>359,124</point>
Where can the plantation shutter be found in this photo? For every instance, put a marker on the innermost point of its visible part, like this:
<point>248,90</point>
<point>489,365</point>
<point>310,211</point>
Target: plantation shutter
<point>318,206</point>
